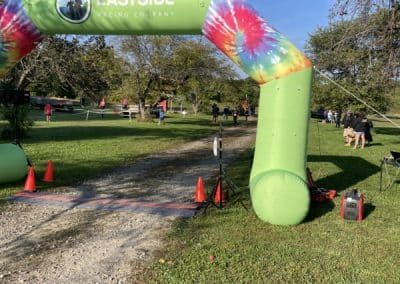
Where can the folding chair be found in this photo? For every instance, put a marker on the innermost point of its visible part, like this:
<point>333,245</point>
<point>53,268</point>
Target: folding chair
<point>393,161</point>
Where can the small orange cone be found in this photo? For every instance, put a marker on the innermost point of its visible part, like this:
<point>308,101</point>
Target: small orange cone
<point>219,195</point>
<point>199,196</point>
<point>48,175</point>
<point>30,184</point>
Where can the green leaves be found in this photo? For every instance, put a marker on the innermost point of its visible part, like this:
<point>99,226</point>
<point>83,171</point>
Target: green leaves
<point>184,67</point>
<point>361,51</point>
<point>67,67</point>
<point>142,69</point>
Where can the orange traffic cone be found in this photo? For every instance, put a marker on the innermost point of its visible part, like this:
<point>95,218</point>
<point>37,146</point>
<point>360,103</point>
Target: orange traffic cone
<point>30,184</point>
<point>48,175</point>
<point>219,195</point>
<point>199,196</point>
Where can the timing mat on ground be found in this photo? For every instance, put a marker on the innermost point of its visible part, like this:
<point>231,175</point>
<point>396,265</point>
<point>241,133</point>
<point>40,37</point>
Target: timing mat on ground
<point>107,204</point>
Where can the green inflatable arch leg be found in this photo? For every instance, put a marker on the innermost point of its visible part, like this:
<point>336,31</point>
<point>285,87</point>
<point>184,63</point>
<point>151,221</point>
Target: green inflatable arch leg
<point>279,192</point>
<point>278,189</point>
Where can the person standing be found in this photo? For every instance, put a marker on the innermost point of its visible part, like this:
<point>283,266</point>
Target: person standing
<point>338,118</point>
<point>215,113</point>
<point>246,113</point>
<point>125,104</point>
<point>71,10</point>
<point>48,111</point>
<point>102,106</point>
<point>347,125</point>
<point>161,116</point>
<point>368,126</point>
<point>235,115</point>
<point>78,9</point>
<point>330,116</point>
<point>359,130</point>
<point>226,112</point>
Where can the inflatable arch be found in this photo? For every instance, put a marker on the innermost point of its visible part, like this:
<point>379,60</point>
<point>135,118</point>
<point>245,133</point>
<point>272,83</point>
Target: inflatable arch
<point>278,186</point>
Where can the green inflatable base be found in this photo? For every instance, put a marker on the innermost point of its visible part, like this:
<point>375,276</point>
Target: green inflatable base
<point>280,197</point>
<point>13,163</point>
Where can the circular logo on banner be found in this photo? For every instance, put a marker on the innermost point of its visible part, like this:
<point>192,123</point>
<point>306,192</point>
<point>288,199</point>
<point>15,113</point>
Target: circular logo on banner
<point>73,11</point>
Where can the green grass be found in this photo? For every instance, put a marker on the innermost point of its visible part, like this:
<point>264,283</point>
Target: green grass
<point>81,149</point>
<point>322,249</point>
<point>395,104</point>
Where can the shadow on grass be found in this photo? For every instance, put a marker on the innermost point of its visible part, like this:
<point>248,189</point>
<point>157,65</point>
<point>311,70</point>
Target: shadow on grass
<point>354,170</point>
<point>71,133</point>
<point>186,121</point>
<point>368,209</point>
<point>208,122</point>
<point>387,130</point>
<point>318,209</point>
<point>372,144</point>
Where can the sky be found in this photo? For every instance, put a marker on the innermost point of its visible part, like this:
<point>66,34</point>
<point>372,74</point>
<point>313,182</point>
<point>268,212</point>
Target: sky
<point>295,19</point>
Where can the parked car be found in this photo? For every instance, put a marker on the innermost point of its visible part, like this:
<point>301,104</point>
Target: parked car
<point>319,114</point>
<point>62,105</point>
<point>57,104</point>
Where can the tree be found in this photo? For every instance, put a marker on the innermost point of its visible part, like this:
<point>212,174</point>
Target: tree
<point>359,56</point>
<point>18,121</point>
<point>96,71</point>
<point>201,72</point>
<point>378,27</point>
<point>146,62</point>
<point>68,67</point>
<point>244,89</point>
<point>161,65</point>
<point>57,58</point>
<point>63,67</point>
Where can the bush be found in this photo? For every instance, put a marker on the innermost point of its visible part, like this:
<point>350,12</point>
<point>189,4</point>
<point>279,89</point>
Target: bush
<point>16,117</point>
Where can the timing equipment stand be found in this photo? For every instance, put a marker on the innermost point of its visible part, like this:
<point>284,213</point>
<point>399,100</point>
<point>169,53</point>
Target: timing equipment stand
<point>222,177</point>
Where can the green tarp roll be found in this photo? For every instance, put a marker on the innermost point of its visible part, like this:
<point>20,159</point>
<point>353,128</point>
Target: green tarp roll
<point>13,163</point>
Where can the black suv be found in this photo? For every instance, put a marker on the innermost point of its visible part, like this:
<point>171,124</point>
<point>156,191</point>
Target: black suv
<point>318,114</point>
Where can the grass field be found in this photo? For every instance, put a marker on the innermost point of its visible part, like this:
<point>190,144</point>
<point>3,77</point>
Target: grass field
<point>80,149</point>
<point>323,249</point>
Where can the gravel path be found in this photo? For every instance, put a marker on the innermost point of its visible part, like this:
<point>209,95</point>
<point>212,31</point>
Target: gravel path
<point>45,244</point>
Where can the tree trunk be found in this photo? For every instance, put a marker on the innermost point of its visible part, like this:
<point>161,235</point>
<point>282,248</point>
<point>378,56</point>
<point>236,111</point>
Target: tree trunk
<point>142,111</point>
<point>195,105</point>
<point>22,79</point>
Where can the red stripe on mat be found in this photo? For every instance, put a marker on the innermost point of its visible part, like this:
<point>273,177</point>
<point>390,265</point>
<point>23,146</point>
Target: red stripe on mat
<point>105,201</point>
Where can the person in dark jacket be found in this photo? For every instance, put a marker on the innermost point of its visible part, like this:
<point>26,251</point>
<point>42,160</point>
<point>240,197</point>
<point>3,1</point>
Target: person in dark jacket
<point>235,115</point>
<point>359,130</point>
<point>215,113</point>
<point>338,118</point>
<point>368,126</point>
<point>226,112</point>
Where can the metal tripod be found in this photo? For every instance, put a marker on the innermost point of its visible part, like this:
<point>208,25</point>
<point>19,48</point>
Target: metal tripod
<point>222,176</point>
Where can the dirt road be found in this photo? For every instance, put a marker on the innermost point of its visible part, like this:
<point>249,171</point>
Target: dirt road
<point>49,243</point>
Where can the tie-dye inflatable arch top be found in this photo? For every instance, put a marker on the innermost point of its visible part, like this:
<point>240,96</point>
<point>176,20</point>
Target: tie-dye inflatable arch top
<point>279,192</point>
